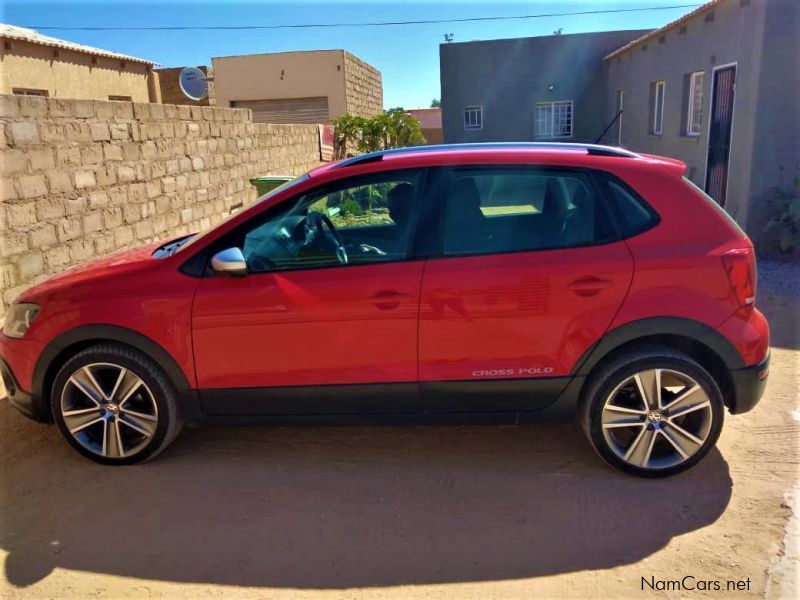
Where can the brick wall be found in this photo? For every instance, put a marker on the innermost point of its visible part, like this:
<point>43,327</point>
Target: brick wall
<point>363,87</point>
<point>83,178</point>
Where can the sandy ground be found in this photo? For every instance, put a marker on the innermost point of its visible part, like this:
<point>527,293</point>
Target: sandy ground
<point>428,512</point>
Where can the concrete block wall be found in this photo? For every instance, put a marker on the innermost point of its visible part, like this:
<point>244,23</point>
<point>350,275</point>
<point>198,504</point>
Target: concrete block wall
<point>83,178</point>
<point>363,87</point>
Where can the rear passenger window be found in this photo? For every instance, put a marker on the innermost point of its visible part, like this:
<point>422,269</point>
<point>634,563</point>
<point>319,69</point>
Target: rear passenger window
<point>514,209</point>
<point>633,213</point>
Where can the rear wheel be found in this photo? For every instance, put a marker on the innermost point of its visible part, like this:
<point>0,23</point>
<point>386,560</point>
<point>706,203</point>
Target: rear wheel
<point>115,405</point>
<point>653,412</point>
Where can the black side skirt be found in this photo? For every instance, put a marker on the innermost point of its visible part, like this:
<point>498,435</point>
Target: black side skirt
<point>497,401</point>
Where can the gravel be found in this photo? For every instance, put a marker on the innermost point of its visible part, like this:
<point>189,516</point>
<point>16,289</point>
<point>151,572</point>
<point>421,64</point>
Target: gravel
<point>777,277</point>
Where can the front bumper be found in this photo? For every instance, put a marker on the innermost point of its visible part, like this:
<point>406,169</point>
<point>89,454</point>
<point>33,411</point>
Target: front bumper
<point>749,384</point>
<point>17,360</point>
<point>19,398</point>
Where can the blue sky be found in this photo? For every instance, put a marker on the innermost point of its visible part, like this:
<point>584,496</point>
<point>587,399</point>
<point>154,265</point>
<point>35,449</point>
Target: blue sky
<point>408,56</point>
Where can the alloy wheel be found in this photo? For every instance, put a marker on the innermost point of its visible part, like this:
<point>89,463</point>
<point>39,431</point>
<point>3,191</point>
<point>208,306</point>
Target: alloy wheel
<point>109,410</point>
<point>656,419</point>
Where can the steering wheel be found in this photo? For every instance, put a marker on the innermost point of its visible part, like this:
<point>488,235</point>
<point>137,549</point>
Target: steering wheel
<point>318,224</point>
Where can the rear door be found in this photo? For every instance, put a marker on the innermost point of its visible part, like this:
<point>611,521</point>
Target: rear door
<point>529,275</point>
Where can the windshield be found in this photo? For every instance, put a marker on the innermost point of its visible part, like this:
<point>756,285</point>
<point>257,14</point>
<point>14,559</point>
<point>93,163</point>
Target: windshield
<point>189,241</point>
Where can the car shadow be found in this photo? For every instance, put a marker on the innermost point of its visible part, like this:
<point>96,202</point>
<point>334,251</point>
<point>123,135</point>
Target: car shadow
<point>335,507</point>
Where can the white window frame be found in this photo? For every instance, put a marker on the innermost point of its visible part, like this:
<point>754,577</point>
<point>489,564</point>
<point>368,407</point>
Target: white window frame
<point>550,133</point>
<point>694,89</point>
<point>658,123</point>
<point>473,124</point>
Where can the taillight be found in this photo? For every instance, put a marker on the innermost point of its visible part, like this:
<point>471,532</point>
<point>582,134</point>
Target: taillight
<point>740,265</point>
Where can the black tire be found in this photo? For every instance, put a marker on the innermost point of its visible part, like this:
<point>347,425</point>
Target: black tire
<point>611,375</point>
<point>158,387</point>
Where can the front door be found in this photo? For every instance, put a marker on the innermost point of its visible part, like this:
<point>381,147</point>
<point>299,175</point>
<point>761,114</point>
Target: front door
<point>529,278</point>
<point>318,307</point>
<point>719,137</point>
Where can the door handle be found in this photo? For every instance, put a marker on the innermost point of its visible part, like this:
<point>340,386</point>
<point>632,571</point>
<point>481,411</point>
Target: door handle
<point>388,299</point>
<point>588,286</point>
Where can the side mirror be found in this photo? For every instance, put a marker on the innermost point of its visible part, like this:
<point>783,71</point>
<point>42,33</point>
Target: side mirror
<point>229,262</point>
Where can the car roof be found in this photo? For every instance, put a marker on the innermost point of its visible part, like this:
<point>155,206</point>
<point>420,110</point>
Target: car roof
<point>551,152</point>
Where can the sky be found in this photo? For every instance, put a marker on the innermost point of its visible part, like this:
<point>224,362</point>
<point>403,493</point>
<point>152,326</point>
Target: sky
<point>407,56</point>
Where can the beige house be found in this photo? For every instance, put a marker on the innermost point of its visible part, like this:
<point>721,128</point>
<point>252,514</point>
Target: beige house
<point>298,87</point>
<point>171,93</point>
<point>33,64</point>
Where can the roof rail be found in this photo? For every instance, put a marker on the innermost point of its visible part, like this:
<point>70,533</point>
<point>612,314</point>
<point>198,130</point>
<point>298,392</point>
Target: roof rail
<point>592,149</point>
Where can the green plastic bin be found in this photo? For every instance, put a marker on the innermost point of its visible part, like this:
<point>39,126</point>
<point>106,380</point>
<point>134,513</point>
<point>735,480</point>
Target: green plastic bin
<point>267,183</point>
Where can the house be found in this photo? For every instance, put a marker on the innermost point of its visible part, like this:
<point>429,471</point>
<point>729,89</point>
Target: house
<point>171,93</point>
<point>539,88</point>
<point>718,88</point>
<point>430,122</point>
<point>298,87</point>
<point>33,64</point>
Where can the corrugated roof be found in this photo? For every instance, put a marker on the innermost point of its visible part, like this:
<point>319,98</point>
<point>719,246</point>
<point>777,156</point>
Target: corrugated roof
<point>656,32</point>
<point>34,37</point>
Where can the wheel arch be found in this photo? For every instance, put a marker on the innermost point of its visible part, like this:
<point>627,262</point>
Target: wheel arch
<point>703,343</point>
<point>70,342</point>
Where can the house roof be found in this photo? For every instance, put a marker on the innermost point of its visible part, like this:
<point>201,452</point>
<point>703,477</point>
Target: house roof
<point>656,32</point>
<point>429,118</point>
<point>34,37</point>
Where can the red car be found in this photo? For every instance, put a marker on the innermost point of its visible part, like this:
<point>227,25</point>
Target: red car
<point>507,282</point>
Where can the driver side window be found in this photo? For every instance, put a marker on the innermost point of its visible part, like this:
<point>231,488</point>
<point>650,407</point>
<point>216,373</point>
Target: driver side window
<point>357,221</point>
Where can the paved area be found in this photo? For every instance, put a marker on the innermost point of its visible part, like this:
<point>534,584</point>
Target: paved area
<point>430,512</point>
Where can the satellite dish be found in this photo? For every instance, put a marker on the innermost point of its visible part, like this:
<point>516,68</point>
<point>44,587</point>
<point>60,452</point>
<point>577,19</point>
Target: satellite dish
<point>193,82</point>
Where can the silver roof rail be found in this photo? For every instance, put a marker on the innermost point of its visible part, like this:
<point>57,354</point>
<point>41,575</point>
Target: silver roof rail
<point>592,149</point>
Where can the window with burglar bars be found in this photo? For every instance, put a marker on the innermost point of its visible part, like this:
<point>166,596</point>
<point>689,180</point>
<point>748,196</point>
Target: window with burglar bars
<point>694,113</point>
<point>473,117</point>
<point>553,119</point>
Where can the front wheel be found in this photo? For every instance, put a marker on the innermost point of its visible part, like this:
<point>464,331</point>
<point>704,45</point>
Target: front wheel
<point>114,405</point>
<point>653,412</point>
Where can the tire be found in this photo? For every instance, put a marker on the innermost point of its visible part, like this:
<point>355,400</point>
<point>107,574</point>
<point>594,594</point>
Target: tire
<point>680,425</point>
<point>115,405</point>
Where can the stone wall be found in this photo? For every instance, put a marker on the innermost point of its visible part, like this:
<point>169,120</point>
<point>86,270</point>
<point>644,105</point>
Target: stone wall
<point>83,178</point>
<point>363,87</point>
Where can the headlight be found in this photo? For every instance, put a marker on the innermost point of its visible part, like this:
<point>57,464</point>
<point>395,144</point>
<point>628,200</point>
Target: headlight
<point>19,319</point>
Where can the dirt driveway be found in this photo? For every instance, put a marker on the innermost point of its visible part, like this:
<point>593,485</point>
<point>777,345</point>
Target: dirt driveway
<point>464,512</point>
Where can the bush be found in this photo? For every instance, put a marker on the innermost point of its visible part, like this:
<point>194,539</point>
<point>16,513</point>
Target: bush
<point>351,207</point>
<point>393,128</point>
<point>785,205</point>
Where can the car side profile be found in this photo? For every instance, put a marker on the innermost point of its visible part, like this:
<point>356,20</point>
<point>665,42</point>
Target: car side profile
<point>499,282</point>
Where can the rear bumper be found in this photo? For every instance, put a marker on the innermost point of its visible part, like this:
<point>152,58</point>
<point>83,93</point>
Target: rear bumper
<point>749,384</point>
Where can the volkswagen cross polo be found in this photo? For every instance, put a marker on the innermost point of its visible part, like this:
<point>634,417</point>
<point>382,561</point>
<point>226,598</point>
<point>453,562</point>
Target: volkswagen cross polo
<point>508,282</point>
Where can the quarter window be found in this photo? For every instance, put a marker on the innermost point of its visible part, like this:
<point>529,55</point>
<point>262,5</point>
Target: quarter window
<point>553,119</point>
<point>694,111</point>
<point>473,117</point>
<point>513,209</point>
<point>360,221</point>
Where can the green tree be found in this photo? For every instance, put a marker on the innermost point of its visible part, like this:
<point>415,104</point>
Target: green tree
<point>436,103</point>
<point>393,128</point>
